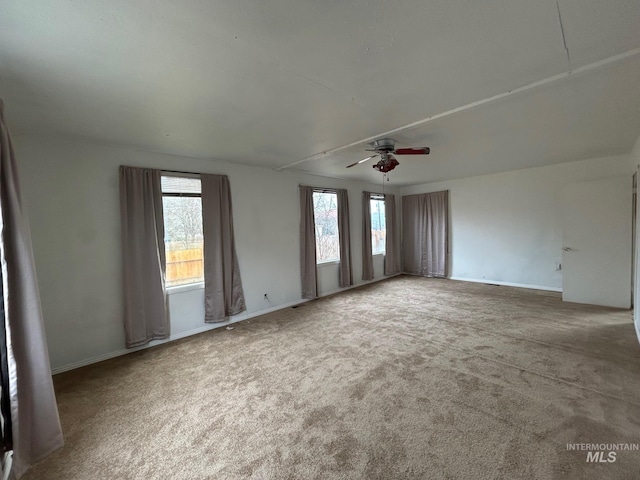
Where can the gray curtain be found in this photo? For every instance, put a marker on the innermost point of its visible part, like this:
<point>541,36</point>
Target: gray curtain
<point>391,256</point>
<point>34,413</point>
<point>143,256</point>
<point>344,238</point>
<point>367,255</point>
<point>425,234</point>
<point>308,267</point>
<point>222,284</point>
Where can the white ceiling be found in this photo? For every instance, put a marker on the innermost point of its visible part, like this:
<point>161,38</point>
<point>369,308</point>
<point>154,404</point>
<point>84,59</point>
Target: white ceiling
<point>274,83</point>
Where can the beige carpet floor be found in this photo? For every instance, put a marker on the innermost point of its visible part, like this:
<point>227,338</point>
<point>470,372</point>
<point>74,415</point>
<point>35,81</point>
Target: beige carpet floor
<point>409,378</point>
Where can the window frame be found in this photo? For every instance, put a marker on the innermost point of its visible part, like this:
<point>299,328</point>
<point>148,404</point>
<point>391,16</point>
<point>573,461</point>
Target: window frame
<point>333,261</point>
<point>377,197</point>
<point>199,284</point>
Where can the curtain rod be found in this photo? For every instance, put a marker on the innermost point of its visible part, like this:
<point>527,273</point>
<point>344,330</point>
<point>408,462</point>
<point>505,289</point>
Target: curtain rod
<point>178,171</point>
<point>163,170</point>
<point>192,173</point>
<point>378,194</point>
<point>334,190</point>
<point>320,189</point>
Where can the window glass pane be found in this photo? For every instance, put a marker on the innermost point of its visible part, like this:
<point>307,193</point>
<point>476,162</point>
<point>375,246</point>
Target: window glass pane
<point>378,226</point>
<point>325,209</point>
<point>183,240</point>
<point>180,185</point>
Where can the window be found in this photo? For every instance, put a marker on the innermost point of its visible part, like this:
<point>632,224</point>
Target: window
<point>325,211</point>
<point>378,225</point>
<point>183,239</point>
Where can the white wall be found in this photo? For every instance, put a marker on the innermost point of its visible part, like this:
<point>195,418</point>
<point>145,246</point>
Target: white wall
<point>507,228</point>
<point>71,192</point>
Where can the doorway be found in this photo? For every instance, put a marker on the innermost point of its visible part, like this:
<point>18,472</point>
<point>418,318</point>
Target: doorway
<point>634,213</point>
<point>596,248</point>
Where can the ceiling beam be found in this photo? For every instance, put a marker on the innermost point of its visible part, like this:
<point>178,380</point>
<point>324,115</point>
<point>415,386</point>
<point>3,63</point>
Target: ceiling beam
<point>531,86</point>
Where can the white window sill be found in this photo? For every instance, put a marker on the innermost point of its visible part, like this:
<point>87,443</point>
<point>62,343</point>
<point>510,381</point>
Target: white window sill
<point>378,255</point>
<point>330,262</point>
<point>185,288</point>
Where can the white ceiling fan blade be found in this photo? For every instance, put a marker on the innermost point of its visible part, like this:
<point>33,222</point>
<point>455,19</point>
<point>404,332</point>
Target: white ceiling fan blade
<point>362,161</point>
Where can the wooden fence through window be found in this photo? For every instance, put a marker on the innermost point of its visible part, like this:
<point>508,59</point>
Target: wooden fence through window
<point>185,266</point>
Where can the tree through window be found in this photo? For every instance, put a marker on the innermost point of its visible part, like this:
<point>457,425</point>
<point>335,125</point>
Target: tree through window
<point>325,210</point>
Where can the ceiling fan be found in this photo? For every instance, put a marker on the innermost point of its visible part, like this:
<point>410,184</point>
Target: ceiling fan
<point>384,149</point>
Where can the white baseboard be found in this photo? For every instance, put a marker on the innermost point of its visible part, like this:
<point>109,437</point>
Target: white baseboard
<point>366,282</point>
<point>508,284</point>
<point>206,327</point>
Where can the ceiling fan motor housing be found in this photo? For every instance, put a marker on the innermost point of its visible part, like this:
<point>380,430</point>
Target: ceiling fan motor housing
<point>384,145</point>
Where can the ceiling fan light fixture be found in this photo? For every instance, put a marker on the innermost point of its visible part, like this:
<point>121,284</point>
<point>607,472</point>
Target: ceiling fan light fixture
<point>387,163</point>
